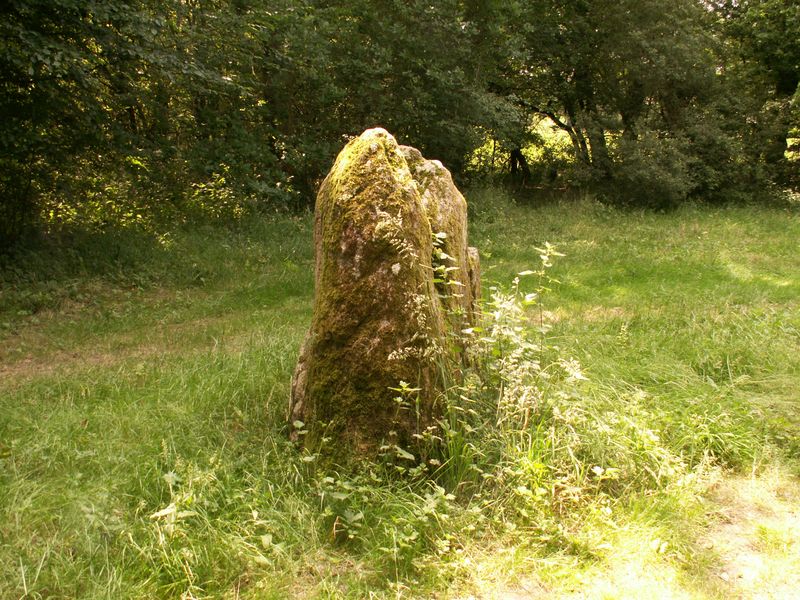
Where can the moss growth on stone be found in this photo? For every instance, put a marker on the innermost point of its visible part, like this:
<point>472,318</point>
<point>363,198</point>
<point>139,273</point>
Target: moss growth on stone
<point>378,317</point>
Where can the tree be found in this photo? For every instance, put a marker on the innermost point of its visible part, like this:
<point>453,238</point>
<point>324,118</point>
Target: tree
<point>131,106</point>
<point>764,66</point>
<point>59,88</point>
<point>609,67</point>
<point>339,67</point>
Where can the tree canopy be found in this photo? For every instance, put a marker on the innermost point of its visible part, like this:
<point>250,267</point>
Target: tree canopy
<point>136,110</point>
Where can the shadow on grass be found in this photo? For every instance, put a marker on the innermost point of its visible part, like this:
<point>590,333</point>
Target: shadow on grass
<point>77,264</point>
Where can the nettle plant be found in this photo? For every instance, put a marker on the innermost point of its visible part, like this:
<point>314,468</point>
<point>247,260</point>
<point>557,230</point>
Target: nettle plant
<point>523,425</point>
<point>526,433</point>
<point>505,391</point>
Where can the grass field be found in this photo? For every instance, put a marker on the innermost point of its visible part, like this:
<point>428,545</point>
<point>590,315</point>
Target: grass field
<point>144,385</point>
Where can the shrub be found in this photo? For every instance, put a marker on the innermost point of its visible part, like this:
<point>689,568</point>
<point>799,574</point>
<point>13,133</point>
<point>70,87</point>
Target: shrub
<point>652,172</point>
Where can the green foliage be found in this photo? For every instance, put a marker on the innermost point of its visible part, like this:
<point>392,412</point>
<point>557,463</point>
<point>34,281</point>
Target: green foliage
<point>652,172</point>
<point>215,200</point>
<point>763,72</point>
<point>115,109</point>
<point>610,68</point>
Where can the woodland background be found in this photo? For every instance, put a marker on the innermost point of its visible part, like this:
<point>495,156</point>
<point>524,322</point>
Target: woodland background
<point>137,112</point>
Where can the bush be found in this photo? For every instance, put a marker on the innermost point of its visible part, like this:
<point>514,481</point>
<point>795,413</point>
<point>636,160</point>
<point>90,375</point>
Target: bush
<point>652,172</point>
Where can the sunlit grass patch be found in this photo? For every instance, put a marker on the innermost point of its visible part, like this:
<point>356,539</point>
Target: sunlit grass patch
<point>756,533</point>
<point>646,546</point>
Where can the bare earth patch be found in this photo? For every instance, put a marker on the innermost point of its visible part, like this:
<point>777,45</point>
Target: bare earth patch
<point>757,536</point>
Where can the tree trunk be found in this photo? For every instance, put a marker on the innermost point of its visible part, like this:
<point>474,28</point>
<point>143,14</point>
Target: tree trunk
<point>519,166</point>
<point>601,160</point>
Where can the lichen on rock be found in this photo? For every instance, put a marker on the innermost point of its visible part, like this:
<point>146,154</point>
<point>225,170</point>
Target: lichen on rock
<point>393,278</point>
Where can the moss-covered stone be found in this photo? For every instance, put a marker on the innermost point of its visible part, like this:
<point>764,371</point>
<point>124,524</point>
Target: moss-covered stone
<point>379,318</point>
<point>446,209</point>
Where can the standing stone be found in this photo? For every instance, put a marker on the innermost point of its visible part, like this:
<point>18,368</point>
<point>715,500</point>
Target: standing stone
<point>394,282</point>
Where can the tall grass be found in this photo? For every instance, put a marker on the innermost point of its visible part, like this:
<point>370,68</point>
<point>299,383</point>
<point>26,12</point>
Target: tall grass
<point>143,402</point>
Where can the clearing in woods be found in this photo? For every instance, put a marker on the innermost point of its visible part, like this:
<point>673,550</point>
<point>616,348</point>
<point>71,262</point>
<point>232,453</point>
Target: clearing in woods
<point>143,404</point>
